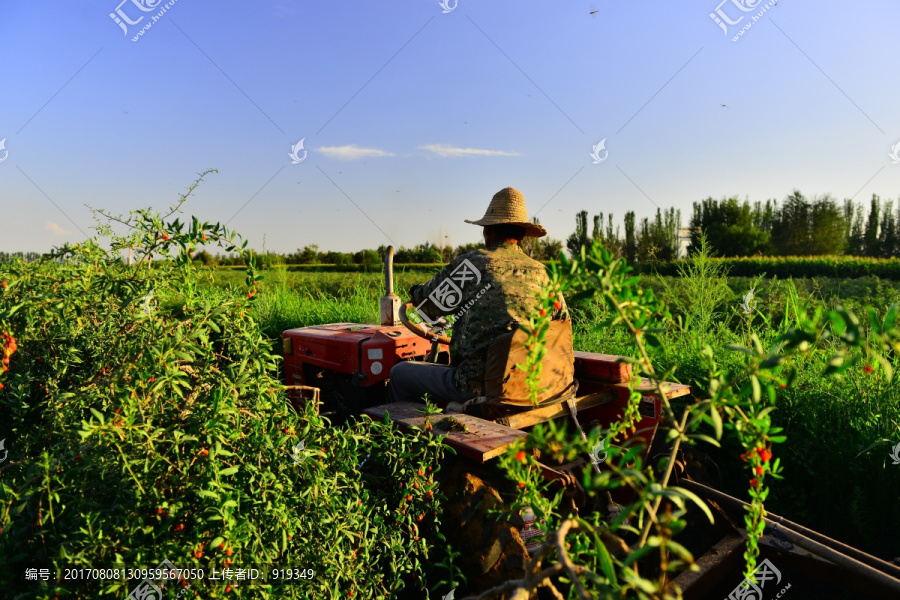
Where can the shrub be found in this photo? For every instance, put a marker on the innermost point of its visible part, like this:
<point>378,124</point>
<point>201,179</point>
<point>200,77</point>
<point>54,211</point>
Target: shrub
<point>144,423</point>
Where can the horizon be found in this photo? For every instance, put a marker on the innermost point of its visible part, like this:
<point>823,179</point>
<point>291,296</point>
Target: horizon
<point>412,116</point>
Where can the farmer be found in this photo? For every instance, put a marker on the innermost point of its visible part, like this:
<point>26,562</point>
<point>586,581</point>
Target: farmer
<point>490,291</point>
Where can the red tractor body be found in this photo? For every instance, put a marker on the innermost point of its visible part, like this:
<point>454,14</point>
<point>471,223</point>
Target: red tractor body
<point>348,359</point>
<point>354,361</point>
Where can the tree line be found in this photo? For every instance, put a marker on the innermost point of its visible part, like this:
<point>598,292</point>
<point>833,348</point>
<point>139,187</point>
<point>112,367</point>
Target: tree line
<point>425,253</point>
<point>650,240</point>
<point>8,257</point>
<point>799,226</point>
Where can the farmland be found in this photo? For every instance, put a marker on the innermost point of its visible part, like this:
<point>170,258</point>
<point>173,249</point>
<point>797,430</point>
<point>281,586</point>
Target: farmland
<point>827,422</point>
<point>165,397</point>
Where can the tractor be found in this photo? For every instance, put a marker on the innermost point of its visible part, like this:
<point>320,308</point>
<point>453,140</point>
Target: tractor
<point>344,368</point>
<point>347,365</point>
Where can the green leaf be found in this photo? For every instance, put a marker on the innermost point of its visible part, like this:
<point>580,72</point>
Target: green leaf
<point>606,564</point>
<point>705,438</point>
<point>872,445</point>
<point>716,421</point>
<point>228,471</point>
<point>97,414</point>
<point>757,391</point>
<point>696,500</point>
<point>737,348</point>
<point>761,414</point>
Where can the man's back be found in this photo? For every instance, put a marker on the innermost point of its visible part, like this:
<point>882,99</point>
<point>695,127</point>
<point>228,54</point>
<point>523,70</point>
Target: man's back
<point>490,291</point>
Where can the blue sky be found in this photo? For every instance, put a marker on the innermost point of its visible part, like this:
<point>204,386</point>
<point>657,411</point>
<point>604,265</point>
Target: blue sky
<point>412,118</point>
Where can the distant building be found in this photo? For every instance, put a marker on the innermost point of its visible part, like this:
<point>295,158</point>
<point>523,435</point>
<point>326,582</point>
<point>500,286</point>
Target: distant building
<point>684,240</point>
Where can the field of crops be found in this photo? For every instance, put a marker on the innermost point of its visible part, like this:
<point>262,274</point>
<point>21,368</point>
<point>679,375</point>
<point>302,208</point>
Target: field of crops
<point>143,422</point>
<point>799,266</point>
<point>827,485</point>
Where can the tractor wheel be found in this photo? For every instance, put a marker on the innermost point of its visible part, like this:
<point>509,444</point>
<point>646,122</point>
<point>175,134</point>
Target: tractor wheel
<point>492,550</point>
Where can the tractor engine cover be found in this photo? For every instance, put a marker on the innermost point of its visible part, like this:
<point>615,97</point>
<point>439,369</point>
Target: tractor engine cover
<point>359,355</point>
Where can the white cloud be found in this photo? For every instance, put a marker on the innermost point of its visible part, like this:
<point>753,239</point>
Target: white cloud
<point>448,151</point>
<point>55,229</point>
<point>352,152</point>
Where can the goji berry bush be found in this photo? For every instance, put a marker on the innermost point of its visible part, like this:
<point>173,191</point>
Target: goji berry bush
<point>736,396</point>
<point>144,421</point>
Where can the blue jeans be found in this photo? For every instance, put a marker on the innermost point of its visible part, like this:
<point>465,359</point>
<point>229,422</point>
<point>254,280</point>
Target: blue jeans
<point>411,379</point>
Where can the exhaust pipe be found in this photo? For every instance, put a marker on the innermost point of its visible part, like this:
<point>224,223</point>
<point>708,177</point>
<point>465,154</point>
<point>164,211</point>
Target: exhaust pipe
<point>390,302</point>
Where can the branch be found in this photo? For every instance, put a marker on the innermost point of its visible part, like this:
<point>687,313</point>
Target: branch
<point>521,588</point>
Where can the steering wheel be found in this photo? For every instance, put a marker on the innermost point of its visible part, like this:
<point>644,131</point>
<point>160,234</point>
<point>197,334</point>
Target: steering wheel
<point>419,331</point>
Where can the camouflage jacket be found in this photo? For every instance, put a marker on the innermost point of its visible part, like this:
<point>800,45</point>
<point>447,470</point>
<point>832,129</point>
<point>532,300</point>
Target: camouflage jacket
<point>490,292</point>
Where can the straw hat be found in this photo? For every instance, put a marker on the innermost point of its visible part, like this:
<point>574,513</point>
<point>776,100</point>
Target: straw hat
<point>508,206</point>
